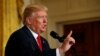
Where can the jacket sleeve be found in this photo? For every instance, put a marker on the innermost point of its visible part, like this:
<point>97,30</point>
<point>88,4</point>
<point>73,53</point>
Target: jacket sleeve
<point>47,51</point>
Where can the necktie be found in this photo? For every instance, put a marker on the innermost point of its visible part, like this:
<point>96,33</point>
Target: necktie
<point>39,42</point>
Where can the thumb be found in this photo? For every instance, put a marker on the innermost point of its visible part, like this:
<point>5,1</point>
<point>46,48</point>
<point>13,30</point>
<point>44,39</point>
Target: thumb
<point>70,33</point>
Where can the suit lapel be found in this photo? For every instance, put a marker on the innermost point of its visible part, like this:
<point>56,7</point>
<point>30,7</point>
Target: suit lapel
<point>31,37</point>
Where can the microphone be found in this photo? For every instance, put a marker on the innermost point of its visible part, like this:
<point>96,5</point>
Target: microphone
<point>56,36</point>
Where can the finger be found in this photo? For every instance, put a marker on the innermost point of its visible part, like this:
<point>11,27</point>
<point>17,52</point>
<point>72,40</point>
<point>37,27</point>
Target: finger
<point>69,35</point>
<point>72,41</point>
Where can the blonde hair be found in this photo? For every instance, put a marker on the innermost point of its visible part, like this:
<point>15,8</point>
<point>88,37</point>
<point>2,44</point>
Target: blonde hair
<point>32,9</point>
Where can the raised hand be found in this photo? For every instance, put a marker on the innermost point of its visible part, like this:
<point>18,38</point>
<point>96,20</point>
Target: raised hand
<point>68,42</point>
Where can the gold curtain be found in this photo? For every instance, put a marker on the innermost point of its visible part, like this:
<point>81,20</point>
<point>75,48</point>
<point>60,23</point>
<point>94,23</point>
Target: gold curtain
<point>1,28</point>
<point>11,20</point>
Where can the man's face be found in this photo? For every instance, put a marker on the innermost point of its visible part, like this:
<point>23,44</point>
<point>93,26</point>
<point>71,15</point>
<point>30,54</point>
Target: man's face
<point>38,22</point>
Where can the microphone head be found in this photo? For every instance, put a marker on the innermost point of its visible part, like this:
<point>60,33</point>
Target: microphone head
<point>54,35</point>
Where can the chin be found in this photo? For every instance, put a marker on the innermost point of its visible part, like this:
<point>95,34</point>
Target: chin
<point>43,30</point>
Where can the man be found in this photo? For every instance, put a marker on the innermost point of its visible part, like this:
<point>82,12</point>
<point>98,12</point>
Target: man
<point>23,42</point>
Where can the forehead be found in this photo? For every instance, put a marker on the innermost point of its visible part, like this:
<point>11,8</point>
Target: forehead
<point>40,13</point>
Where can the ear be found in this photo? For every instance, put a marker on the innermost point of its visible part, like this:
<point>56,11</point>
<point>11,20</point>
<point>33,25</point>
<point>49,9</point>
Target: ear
<point>28,20</point>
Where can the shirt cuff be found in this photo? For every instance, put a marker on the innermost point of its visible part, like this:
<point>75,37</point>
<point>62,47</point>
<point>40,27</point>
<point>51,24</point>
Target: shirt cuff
<point>57,52</point>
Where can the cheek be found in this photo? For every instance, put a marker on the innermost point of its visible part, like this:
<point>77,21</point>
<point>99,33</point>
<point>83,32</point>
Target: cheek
<point>37,24</point>
<point>34,24</point>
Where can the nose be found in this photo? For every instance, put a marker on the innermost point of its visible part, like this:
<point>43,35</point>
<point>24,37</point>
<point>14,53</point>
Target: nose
<point>45,20</point>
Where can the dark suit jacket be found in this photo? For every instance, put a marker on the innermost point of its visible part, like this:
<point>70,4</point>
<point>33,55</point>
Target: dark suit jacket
<point>22,43</point>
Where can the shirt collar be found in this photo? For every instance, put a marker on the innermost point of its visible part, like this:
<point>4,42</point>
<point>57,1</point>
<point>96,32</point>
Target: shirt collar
<point>33,33</point>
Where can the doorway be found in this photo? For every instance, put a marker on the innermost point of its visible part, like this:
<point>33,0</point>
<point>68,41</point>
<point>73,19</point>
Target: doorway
<point>87,36</point>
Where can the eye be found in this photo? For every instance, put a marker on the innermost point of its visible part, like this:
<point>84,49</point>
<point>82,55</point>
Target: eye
<point>40,17</point>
